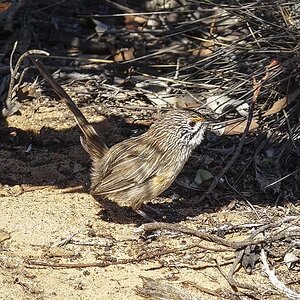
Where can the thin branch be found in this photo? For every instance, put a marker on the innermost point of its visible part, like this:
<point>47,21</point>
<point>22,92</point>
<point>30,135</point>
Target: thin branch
<point>280,286</point>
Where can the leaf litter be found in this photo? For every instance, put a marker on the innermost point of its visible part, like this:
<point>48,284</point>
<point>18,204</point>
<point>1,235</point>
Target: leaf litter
<point>109,57</point>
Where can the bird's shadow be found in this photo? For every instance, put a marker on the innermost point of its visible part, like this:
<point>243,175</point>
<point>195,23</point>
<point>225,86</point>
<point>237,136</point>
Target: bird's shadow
<point>49,157</point>
<point>165,211</point>
<point>54,159</point>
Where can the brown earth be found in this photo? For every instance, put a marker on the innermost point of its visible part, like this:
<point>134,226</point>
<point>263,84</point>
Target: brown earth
<point>44,201</point>
<point>43,187</point>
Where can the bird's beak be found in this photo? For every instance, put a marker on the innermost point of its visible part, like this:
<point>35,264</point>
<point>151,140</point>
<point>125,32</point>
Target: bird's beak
<point>199,119</point>
<point>207,121</point>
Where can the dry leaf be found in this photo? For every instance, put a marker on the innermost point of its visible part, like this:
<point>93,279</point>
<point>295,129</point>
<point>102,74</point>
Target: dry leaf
<point>187,101</point>
<point>282,103</point>
<point>207,49</point>
<point>134,22</point>
<point>222,104</point>
<point>202,175</point>
<point>160,93</point>
<point>26,92</point>
<point>239,127</point>
<point>124,54</point>
<point>277,107</point>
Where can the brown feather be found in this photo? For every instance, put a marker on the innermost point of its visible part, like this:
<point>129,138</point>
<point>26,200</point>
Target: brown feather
<point>140,168</point>
<point>92,142</point>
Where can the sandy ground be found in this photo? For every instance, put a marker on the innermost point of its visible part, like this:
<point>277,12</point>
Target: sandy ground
<point>43,201</point>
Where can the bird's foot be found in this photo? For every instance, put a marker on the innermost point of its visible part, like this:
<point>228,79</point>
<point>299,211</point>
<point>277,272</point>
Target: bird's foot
<point>144,215</point>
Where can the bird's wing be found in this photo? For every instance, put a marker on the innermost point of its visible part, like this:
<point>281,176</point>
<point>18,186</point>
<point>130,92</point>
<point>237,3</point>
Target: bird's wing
<point>129,168</point>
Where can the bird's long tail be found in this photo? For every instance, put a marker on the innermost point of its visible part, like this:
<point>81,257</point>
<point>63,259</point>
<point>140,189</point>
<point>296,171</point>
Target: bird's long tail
<point>92,142</point>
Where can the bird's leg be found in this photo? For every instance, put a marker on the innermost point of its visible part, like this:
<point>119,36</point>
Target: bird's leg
<point>144,215</point>
<point>158,212</point>
<point>162,216</point>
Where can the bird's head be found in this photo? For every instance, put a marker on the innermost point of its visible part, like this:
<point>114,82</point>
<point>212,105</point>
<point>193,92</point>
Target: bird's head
<point>181,128</point>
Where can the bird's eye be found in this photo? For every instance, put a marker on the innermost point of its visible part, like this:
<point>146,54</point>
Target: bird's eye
<point>192,124</point>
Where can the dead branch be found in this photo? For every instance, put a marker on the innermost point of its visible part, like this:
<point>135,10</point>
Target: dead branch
<point>275,281</point>
<point>34,263</point>
<point>16,79</point>
<point>216,239</point>
<point>256,90</point>
<point>159,290</point>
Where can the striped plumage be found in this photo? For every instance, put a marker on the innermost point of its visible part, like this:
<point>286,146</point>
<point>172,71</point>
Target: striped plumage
<point>140,168</point>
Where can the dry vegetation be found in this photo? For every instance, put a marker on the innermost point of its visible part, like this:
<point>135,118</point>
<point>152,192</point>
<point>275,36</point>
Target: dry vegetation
<point>235,230</point>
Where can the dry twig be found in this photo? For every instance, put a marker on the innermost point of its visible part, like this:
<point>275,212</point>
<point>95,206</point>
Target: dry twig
<point>10,106</point>
<point>275,281</point>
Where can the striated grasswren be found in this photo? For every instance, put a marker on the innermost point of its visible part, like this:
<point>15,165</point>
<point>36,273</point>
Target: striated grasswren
<point>140,168</point>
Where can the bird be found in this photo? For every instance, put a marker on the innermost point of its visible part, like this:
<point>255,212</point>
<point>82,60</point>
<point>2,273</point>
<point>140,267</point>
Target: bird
<point>140,168</point>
